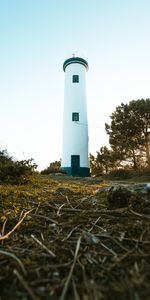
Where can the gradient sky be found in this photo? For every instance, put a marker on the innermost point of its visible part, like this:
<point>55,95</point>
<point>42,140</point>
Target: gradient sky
<point>36,36</point>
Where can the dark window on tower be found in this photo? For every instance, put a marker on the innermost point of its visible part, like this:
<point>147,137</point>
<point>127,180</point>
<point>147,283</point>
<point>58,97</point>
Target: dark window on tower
<point>75,78</point>
<point>75,116</point>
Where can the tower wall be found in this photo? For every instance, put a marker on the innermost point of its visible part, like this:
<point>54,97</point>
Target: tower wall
<point>75,133</point>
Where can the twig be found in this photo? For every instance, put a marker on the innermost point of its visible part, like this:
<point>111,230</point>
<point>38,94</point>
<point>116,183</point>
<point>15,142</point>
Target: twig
<point>113,239</point>
<point>101,228</point>
<point>21,215</point>
<point>93,224</point>
<point>16,226</point>
<point>120,259</point>
<point>139,215</point>
<point>70,233</point>
<point>26,286</point>
<point>81,201</point>
<point>71,270</point>
<point>86,282</point>
<point>110,250</point>
<point>44,217</point>
<point>60,207</point>
<point>52,254</point>
<point>16,259</point>
<point>76,295</point>
<point>3,229</point>
<point>37,208</point>
<point>67,200</point>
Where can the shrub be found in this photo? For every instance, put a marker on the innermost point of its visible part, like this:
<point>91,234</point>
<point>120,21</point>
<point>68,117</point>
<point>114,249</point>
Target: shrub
<point>128,173</point>
<point>54,167</point>
<point>121,174</point>
<point>17,172</point>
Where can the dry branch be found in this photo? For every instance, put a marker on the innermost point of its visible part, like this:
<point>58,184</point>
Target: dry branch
<point>15,227</point>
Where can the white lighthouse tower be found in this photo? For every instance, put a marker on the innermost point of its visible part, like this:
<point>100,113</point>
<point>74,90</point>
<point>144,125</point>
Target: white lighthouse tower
<point>75,160</point>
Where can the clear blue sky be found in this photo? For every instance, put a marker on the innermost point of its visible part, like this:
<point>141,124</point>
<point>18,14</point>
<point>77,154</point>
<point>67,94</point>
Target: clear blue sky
<point>36,36</point>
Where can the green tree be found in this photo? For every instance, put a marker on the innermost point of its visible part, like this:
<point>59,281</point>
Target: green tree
<point>129,132</point>
<point>107,158</point>
<point>54,167</point>
<point>104,162</point>
<point>95,167</point>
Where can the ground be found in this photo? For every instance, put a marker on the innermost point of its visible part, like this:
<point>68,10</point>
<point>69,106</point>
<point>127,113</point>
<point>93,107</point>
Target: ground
<point>59,239</point>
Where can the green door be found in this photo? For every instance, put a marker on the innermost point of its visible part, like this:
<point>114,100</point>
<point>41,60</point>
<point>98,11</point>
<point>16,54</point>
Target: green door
<point>75,165</point>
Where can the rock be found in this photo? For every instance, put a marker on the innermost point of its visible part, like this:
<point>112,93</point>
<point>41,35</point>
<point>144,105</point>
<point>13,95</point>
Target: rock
<point>90,238</point>
<point>119,196</point>
<point>122,195</point>
<point>143,189</point>
<point>64,191</point>
<point>101,192</point>
<point>93,200</point>
<point>94,179</point>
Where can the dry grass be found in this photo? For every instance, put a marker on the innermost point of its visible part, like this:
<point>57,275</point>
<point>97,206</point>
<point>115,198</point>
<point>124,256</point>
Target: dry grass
<point>59,241</point>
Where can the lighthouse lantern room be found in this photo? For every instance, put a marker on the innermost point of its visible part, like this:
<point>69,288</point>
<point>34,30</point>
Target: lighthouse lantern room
<point>75,160</point>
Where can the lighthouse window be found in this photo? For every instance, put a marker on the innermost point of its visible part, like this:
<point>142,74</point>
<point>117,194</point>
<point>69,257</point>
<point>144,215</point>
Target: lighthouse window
<point>75,116</point>
<point>75,78</point>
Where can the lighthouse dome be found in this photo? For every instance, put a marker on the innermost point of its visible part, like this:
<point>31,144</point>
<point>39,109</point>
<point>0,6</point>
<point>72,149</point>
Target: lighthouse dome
<point>77,60</point>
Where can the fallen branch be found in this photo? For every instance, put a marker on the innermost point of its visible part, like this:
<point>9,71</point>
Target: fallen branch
<point>3,237</point>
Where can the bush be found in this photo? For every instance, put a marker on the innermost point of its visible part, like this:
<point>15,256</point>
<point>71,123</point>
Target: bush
<point>17,172</point>
<point>54,167</point>
<point>128,173</point>
<point>143,172</point>
<point>121,174</point>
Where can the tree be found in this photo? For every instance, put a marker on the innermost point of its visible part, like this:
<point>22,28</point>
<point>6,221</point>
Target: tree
<point>105,161</point>
<point>54,167</point>
<point>95,167</point>
<point>129,132</point>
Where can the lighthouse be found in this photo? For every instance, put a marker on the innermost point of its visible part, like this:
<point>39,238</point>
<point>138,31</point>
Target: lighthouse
<point>75,161</point>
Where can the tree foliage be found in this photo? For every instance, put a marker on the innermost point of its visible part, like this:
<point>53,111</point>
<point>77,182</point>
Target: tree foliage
<point>129,138</point>
<point>129,132</point>
<point>105,161</point>
<point>54,167</point>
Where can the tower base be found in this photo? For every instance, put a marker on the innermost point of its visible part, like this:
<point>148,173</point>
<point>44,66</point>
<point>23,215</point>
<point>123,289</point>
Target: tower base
<point>82,172</point>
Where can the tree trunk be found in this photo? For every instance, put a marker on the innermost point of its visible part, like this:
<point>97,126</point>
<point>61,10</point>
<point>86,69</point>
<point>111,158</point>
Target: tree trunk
<point>148,148</point>
<point>134,160</point>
